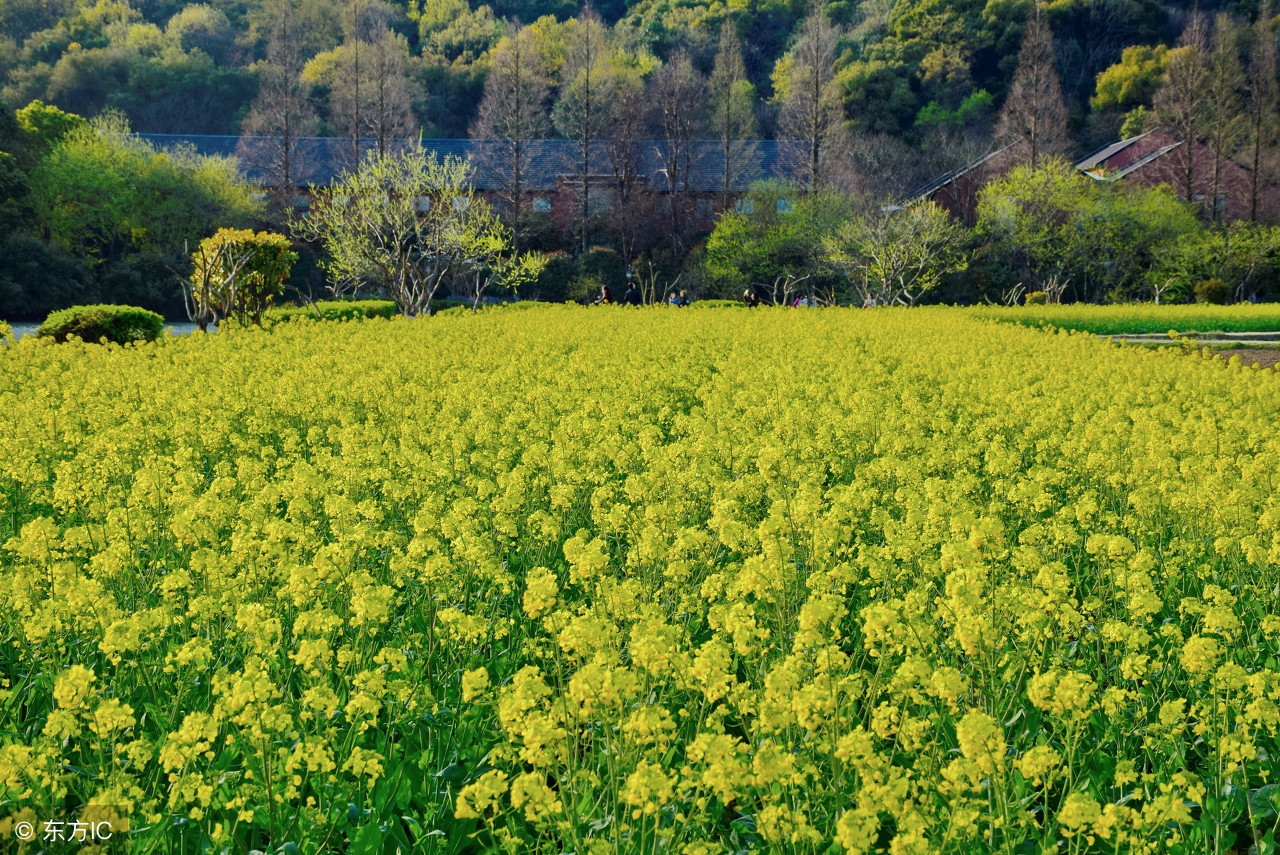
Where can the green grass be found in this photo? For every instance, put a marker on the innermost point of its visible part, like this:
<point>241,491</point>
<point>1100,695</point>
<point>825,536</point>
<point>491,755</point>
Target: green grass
<point>1142,318</point>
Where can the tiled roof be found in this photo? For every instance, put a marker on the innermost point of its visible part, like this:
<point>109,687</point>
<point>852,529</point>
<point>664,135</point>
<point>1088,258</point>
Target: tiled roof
<point>1107,152</point>
<point>924,191</point>
<point>321,159</point>
<point>1124,171</point>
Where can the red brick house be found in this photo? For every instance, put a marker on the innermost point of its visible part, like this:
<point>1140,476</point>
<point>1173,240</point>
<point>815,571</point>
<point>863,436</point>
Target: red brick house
<point>1156,158</point>
<point>1150,159</point>
<point>957,191</point>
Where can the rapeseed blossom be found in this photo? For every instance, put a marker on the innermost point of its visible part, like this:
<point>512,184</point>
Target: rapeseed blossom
<point>556,579</point>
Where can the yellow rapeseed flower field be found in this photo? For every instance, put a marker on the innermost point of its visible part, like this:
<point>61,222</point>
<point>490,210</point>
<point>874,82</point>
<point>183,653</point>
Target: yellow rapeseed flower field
<point>599,580</point>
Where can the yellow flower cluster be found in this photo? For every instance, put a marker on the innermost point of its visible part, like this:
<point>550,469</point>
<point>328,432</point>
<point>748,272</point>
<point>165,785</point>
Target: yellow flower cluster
<point>615,581</point>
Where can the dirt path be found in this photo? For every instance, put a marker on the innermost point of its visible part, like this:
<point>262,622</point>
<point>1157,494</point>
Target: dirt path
<point>1260,348</point>
<point>1263,358</point>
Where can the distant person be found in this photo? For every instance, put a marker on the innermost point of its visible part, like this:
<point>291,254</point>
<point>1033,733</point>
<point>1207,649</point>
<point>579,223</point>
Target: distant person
<point>683,299</point>
<point>749,298</point>
<point>801,302</point>
<point>673,299</point>
<point>605,297</point>
<point>632,296</point>
<point>869,303</point>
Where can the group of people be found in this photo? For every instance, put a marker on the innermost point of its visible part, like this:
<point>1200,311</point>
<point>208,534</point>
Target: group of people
<point>750,298</point>
<point>633,297</point>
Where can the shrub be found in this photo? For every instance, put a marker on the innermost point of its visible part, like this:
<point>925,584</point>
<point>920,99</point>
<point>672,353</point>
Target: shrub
<point>120,324</point>
<point>1212,291</point>
<point>237,274</point>
<point>450,306</point>
<point>1035,298</point>
<point>6,332</point>
<point>717,304</point>
<point>553,282</point>
<point>332,310</point>
<point>604,266</point>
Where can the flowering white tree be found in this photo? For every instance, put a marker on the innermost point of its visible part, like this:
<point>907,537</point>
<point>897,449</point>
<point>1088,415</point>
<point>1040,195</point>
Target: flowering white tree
<point>896,256</point>
<point>403,223</point>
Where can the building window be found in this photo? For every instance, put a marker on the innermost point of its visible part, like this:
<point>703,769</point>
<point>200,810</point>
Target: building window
<point>745,206</point>
<point>423,204</point>
<point>784,206</point>
<point>599,199</point>
<point>541,205</point>
<point>461,203</point>
<point>703,209</point>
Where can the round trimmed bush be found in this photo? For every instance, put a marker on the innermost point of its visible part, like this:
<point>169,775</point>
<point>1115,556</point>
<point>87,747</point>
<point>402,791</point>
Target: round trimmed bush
<point>119,324</point>
<point>1213,291</point>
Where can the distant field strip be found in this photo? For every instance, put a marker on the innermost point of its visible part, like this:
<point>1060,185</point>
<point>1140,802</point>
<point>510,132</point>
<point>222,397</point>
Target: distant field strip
<point>1142,317</point>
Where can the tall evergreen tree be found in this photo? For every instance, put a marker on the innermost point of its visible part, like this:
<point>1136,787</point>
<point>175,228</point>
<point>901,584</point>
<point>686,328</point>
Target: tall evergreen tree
<point>1181,104</point>
<point>1034,109</point>
<point>587,82</point>
<point>512,115</point>
<point>732,102</point>
<point>812,110</point>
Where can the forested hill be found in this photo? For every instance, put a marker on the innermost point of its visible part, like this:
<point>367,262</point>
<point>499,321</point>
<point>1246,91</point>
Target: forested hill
<point>904,72</point>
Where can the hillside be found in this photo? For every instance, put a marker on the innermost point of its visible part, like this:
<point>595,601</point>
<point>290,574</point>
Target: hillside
<point>913,70</point>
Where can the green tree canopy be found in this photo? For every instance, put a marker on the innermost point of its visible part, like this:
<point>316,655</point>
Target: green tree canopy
<point>1133,80</point>
<point>897,256</point>
<point>772,241</point>
<point>103,193</point>
<point>1065,232</point>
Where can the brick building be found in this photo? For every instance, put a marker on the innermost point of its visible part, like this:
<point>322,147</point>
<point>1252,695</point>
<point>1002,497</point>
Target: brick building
<point>1156,158</point>
<point>552,174</point>
<point>1150,159</point>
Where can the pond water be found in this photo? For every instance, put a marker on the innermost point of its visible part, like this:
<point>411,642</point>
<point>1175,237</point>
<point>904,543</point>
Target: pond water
<point>20,330</point>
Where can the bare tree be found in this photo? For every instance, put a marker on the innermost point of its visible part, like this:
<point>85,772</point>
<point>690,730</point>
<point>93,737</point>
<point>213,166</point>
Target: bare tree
<point>1263,100</point>
<point>628,128</point>
<point>512,114</point>
<point>1182,102</point>
<point>283,113</point>
<point>389,99</point>
<point>371,94</point>
<point>582,112</point>
<point>812,110</point>
<point>732,101</point>
<point>1034,110</point>
<point>679,103</point>
<point>345,102</point>
<point>1227,124</point>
